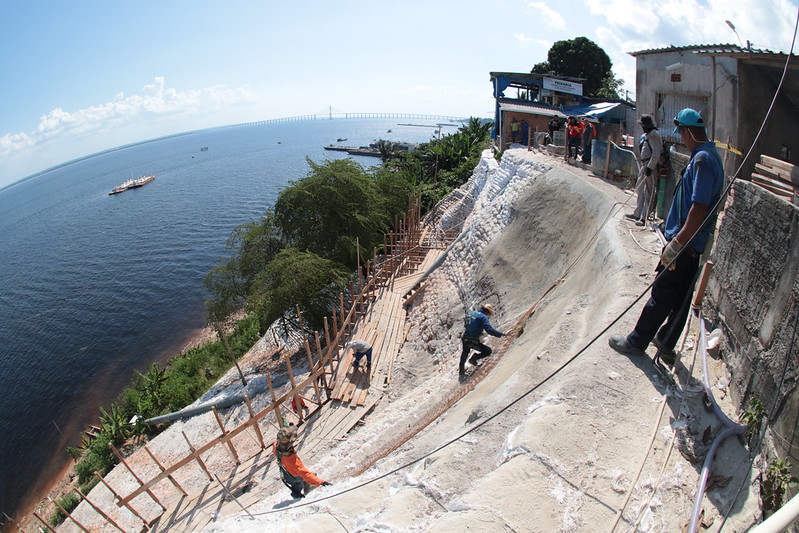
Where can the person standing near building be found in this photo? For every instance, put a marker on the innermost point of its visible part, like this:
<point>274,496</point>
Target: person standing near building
<point>690,222</point>
<point>573,134</point>
<point>476,323</point>
<point>514,130</point>
<point>553,125</point>
<point>293,473</point>
<point>589,132</point>
<point>650,149</point>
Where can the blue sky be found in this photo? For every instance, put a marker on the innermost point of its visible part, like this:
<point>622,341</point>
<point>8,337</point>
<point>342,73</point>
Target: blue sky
<point>80,77</point>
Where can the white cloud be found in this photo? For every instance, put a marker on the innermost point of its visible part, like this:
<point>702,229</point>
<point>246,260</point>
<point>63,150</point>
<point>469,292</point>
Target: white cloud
<point>156,110</point>
<point>549,16</point>
<point>522,38</point>
<point>154,101</point>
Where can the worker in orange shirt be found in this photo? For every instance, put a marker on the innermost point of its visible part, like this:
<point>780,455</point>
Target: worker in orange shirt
<point>293,473</point>
<point>574,134</point>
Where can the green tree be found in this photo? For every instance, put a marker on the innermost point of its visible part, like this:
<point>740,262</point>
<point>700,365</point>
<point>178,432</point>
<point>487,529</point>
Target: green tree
<point>578,58</point>
<point>610,88</point>
<point>331,209</point>
<point>297,278</point>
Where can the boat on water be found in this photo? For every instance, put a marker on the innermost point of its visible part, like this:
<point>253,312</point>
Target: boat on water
<point>132,184</point>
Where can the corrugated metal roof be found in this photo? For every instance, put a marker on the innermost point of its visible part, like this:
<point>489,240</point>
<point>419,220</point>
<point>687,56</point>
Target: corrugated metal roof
<point>711,49</point>
<point>537,109</point>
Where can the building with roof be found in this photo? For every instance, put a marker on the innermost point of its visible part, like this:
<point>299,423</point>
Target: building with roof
<point>732,87</point>
<point>533,99</point>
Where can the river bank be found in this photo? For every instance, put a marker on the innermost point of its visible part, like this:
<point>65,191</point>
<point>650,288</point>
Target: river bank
<point>60,483</point>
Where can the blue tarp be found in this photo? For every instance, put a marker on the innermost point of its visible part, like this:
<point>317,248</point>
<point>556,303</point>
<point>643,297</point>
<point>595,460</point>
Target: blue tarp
<point>611,112</point>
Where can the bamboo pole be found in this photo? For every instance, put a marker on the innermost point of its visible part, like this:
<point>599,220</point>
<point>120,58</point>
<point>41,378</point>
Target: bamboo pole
<point>199,459</point>
<point>224,432</point>
<point>118,497</point>
<point>98,510</point>
<point>137,478</point>
<point>161,467</point>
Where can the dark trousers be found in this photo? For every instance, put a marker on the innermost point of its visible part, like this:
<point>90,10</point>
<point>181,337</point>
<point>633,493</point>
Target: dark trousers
<point>587,153</point>
<point>359,356</point>
<point>573,142</point>
<point>473,344</point>
<point>670,302</point>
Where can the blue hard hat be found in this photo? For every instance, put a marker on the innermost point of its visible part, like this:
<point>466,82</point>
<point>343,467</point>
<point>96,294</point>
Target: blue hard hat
<point>688,117</point>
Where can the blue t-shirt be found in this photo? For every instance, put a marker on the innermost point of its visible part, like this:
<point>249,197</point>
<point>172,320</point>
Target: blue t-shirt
<point>701,184</point>
<point>477,323</point>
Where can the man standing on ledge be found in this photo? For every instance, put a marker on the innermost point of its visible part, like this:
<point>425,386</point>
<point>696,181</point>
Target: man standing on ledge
<point>650,148</point>
<point>476,323</point>
<point>686,232</point>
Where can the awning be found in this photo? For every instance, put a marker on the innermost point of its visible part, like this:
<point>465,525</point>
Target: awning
<point>593,110</point>
<point>531,110</point>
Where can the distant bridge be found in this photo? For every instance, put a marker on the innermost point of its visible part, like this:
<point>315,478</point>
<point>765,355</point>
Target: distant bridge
<point>330,116</point>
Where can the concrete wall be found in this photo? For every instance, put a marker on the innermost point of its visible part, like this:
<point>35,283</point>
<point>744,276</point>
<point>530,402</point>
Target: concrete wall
<point>753,293</point>
<point>707,84</point>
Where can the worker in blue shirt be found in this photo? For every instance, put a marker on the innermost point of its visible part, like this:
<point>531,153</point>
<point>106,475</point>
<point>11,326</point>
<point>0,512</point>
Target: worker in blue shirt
<point>690,221</point>
<point>476,323</point>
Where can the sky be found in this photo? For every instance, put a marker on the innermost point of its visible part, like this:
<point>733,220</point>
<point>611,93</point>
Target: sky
<point>80,77</point>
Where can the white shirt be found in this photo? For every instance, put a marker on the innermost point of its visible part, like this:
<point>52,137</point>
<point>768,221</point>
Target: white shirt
<point>358,345</point>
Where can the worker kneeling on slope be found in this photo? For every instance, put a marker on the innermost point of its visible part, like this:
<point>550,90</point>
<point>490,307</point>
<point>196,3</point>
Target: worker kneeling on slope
<point>293,473</point>
<point>476,323</point>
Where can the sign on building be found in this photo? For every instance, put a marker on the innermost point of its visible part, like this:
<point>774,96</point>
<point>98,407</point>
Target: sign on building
<point>563,86</point>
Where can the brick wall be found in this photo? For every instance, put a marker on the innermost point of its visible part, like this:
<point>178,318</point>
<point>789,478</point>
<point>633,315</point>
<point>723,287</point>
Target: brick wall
<point>753,294</point>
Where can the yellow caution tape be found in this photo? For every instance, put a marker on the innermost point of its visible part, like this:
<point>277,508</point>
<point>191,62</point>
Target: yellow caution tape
<point>729,148</point>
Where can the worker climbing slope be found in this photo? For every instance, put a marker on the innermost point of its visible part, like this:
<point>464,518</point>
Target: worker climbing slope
<point>476,323</point>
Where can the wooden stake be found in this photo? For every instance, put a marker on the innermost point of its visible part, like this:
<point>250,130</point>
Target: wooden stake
<point>43,521</point>
<point>311,366</point>
<point>255,423</point>
<point>274,401</point>
<point>68,515</point>
<point>118,497</point>
<point>98,510</point>
<point>224,432</point>
<point>607,159</point>
<point>137,478</point>
<point>700,291</point>
<point>199,459</point>
<point>321,364</point>
<point>161,467</point>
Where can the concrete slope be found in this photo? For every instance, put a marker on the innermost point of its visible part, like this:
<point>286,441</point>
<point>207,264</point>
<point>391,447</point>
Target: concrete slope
<point>564,443</point>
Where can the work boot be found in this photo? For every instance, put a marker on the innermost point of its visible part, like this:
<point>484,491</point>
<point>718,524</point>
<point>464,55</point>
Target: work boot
<point>623,346</point>
<point>631,216</point>
<point>669,357</point>
<point>473,360</point>
<point>640,222</point>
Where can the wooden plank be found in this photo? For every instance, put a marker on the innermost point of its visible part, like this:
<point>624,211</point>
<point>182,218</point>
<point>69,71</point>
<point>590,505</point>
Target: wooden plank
<point>778,192</point>
<point>774,173</point>
<point>777,163</point>
<point>777,184</point>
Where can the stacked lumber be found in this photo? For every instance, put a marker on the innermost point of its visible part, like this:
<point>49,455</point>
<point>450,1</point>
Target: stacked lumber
<point>777,176</point>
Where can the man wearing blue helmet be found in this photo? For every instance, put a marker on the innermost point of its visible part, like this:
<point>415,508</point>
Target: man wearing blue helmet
<point>690,221</point>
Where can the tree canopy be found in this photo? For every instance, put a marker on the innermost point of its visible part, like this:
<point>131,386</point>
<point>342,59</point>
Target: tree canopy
<point>580,58</point>
<point>300,251</point>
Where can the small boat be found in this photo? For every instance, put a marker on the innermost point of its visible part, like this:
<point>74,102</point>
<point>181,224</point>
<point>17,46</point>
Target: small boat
<point>132,184</point>
<point>341,139</point>
<point>204,149</point>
